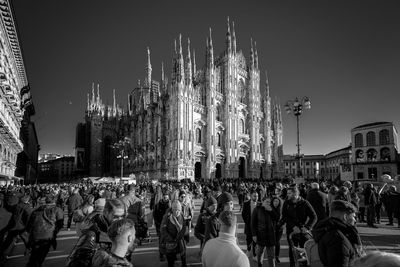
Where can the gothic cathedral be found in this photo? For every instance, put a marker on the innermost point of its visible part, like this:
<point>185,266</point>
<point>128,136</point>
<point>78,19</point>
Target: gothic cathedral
<point>213,122</point>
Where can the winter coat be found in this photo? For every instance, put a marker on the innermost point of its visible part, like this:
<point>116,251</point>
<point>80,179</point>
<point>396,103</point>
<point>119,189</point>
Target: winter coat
<point>134,207</point>
<point>50,219</point>
<point>212,227</point>
<point>92,238</point>
<point>160,209</point>
<point>21,216</point>
<point>74,202</point>
<point>263,224</point>
<point>171,233</point>
<point>102,258</point>
<point>319,201</point>
<point>299,213</point>
<point>337,242</point>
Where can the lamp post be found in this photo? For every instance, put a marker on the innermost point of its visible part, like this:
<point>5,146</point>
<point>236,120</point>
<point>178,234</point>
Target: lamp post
<point>121,144</point>
<point>296,106</point>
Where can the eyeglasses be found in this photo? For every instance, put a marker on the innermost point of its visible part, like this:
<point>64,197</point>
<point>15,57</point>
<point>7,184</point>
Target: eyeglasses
<point>183,196</point>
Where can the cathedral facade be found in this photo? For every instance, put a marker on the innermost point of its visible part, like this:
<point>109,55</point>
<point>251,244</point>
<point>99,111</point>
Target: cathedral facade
<point>209,122</point>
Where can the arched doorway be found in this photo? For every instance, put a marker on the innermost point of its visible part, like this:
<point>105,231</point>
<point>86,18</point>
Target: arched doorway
<point>197,170</point>
<point>218,171</point>
<point>242,167</point>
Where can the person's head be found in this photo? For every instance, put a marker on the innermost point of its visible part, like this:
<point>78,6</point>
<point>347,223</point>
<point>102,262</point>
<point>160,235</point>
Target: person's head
<point>50,199</point>
<point>228,222</point>
<point>344,211</point>
<point>378,259</point>
<point>176,208</point>
<point>182,196</point>
<point>99,204</point>
<point>122,233</point>
<point>314,186</point>
<point>76,191</point>
<point>333,190</point>
<point>277,191</point>
<point>293,193</point>
<point>276,202</point>
<point>211,205</point>
<point>114,209</point>
<point>266,201</point>
<point>225,201</point>
<point>165,196</point>
<point>90,199</point>
<point>254,195</point>
<point>347,184</point>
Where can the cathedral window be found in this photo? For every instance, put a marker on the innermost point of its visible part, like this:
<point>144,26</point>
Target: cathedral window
<point>219,139</point>
<point>198,136</point>
<point>241,126</point>
<point>241,91</point>
<point>219,115</point>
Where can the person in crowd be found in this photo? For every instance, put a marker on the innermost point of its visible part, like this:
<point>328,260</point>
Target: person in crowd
<point>333,191</point>
<point>187,212</point>
<point>240,193</point>
<point>122,236</point>
<point>217,192</point>
<point>277,204</point>
<point>370,202</point>
<point>263,224</point>
<point>224,202</point>
<point>200,228</point>
<point>299,217</point>
<point>339,242</point>
<point>223,250</point>
<point>206,194</point>
<point>248,208</point>
<point>95,235</point>
<point>133,205</point>
<point>378,259</point>
<point>361,205</point>
<point>43,226</point>
<point>343,194</point>
<point>173,229</point>
<point>74,202</point>
<point>378,205</point>
<point>319,201</point>
<point>390,202</point>
<point>160,209</point>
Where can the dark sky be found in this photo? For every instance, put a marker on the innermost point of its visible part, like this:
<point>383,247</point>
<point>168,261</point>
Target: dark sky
<point>344,55</point>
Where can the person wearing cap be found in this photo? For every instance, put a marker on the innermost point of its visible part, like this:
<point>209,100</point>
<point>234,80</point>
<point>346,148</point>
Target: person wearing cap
<point>200,228</point>
<point>224,202</point>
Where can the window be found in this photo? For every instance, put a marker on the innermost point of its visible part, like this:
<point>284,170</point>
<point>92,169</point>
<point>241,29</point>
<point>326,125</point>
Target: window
<point>372,155</point>
<point>241,126</point>
<point>198,136</point>
<point>358,140</point>
<point>371,139</point>
<point>384,137</point>
<point>218,139</point>
<point>385,154</point>
<point>360,175</point>
<point>219,113</point>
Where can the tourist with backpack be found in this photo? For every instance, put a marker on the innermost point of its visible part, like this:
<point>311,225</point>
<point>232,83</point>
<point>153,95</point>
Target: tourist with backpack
<point>43,226</point>
<point>339,242</point>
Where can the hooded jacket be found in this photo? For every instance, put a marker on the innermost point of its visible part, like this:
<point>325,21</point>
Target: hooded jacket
<point>337,242</point>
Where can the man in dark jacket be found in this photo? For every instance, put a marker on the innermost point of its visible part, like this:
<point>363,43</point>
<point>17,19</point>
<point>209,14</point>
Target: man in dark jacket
<point>248,208</point>
<point>95,236</point>
<point>43,225</point>
<point>337,237</point>
<point>390,200</point>
<point>370,202</point>
<point>299,217</point>
<point>263,223</point>
<point>318,200</point>
<point>74,202</point>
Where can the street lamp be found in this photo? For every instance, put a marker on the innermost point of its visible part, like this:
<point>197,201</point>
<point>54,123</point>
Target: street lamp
<point>121,144</point>
<point>296,107</point>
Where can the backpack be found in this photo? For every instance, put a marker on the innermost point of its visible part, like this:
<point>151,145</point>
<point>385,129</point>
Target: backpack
<point>312,253</point>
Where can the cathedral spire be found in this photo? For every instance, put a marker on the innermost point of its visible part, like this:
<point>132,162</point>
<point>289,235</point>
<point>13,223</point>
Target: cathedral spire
<point>88,102</point>
<point>194,62</point>
<point>98,96</point>
<point>162,73</point>
<point>188,73</point>
<point>93,95</point>
<point>148,68</point>
<point>251,53</point>
<point>114,110</point>
<point>255,55</point>
<point>233,37</point>
<point>180,61</point>
<point>267,83</point>
<point>210,52</point>
<point>228,38</point>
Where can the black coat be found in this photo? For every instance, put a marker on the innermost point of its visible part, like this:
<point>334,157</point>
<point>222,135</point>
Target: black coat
<point>263,225</point>
<point>299,213</point>
<point>246,215</point>
<point>337,242</point>
<point>319,201</point>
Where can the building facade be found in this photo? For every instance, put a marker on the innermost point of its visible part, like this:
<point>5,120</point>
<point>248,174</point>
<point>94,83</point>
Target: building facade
<point>57,170</point>
<point>15,104</point>
<point>208,122</point>
<point>312,166</point>
<point>338,164</point>
<point>374,150</point>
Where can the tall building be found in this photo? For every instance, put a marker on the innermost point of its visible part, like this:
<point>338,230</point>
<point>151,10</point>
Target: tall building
<point>207,122</point>
<point>59,169</point>
<point>18,140</point>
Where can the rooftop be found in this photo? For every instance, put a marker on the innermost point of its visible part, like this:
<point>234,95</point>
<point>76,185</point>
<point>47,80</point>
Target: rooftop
<point>372,124</point>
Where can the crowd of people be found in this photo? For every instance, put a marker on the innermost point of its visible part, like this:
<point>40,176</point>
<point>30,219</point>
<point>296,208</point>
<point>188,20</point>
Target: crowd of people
<point>110,220</point>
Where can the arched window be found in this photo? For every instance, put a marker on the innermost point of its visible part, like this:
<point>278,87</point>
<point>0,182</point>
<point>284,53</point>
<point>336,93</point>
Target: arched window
<point>384,137</point>
<point>219,113</point>
<point>371,139</point>
<point>198,136</point>
<point>360,156</point>
<point>372,155</point>
<point>385,154</point>
<point>358,140</point>
<point>241,91</point>
<point>241,126</point>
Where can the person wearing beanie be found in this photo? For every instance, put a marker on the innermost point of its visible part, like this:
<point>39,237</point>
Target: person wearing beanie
<point>224,203</point>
